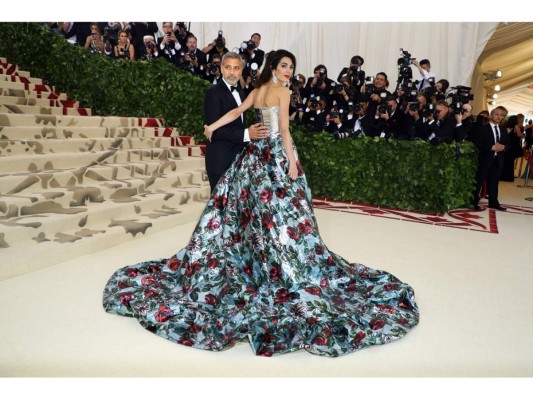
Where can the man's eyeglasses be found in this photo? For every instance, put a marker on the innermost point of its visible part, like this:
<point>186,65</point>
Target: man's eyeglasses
<point>167,26</point>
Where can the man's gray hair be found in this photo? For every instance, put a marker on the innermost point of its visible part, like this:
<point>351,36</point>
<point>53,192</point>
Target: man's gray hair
<point>231,54</point>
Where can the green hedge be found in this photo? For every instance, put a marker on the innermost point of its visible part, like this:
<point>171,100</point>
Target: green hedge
<point>152,88</point>
<point>398,174</point>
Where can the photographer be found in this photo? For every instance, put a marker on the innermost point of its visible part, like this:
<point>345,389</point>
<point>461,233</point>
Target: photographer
<point>392,123</point>
<point>424,67</point>
<point>355,119</point>
<point>464,127</point>
<point>314,117</point>
<point>333,123</point>
<point>168,44</point>
<point>441,125</point>
<point>297,102</point>
<point>182,33</point>
<point>94,41</point>
<point>255,54</point>
<point>150,49</point>
<point>216,47</point>
<point>319,84</point>
<point>212,69</point>
<point>139,31</point>
<point>192,59</point>
<point>375,91</point>
<point>124,50</point>
<point>339,94</point>
<point>354,73</point>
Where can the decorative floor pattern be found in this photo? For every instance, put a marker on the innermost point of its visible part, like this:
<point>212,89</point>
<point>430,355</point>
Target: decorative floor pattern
<point>480,221</point>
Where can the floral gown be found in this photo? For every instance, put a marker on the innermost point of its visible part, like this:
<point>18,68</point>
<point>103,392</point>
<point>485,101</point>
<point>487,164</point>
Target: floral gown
<point>256,268</point>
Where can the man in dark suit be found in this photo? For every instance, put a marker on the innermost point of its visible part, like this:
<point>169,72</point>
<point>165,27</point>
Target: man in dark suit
<point>441,126</point>
<point>492,141</point>
<point>229,140</point>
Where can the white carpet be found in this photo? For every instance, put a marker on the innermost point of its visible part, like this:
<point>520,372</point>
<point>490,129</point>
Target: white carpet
<point>473,290</point>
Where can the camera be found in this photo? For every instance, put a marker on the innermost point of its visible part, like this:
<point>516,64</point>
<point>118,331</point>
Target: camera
<point>461,95</point>
<point>150,45</point>
<point>405,73</point>
<point>181,27</point>
<point>192,55</point>
<point>413,105</point>
<point>344,135</point>
<point>357,107</point>
<point>339,87</point>
<point>247,45</point>
<point>295,81</point>
<point>253,71</point>
<point>384,108</point>
<point>429,109</point>
<point>314,101</point>
<point>213,68</point>
<point>219,42</point>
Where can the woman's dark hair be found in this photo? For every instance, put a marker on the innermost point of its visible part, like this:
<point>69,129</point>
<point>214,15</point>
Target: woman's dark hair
<point>272,60</point>
<point>511,121</point>
<point>445,84</point>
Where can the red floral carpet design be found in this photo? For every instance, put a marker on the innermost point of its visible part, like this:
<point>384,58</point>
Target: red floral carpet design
<point>481,221</point>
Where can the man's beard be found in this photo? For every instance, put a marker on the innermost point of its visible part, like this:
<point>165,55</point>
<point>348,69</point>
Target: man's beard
<point>231,81</point>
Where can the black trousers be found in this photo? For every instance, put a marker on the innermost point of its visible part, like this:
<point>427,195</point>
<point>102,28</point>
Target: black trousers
<point>491,172</point>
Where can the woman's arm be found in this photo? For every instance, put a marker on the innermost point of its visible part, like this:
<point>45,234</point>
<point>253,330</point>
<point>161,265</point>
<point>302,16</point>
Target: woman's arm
<point>284,102</point>
<point>229,116</point>
<point>132,52</point>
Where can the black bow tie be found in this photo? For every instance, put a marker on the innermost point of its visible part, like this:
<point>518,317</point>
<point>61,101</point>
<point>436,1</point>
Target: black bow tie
<point>233,88</point>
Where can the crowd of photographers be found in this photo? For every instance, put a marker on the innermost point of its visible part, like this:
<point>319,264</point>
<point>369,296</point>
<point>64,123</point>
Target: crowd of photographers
<point>355,105</point>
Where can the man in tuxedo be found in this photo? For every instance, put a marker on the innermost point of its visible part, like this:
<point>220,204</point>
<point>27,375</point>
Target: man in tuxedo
<point>492,141</point>
<point>229,140</point>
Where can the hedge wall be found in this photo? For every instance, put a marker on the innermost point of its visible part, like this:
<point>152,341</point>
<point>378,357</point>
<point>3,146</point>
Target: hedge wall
<point>399,174</point>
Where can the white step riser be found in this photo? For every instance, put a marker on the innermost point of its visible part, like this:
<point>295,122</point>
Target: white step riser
<point>11,206</point>
<point>33,182</point>
<point>67,121</point>
<point>30,101</point>
<point>80,132</point>
<point>35,257</point>
<point>47,147</point>
<point>22,92</point>
<point>26,86</point>
<point>99,216</point>
<point>17,109</point>
<point>20,79</point>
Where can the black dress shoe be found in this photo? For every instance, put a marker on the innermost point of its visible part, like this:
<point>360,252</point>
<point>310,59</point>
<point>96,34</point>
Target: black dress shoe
<point>498,207</point>
<point>477,207</point>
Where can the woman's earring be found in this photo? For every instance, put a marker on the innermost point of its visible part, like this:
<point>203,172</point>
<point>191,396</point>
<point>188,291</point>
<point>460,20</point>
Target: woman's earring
<point>274,78</point>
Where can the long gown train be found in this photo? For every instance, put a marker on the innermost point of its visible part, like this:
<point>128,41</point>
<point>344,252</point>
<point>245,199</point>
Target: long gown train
<point>256,268</point>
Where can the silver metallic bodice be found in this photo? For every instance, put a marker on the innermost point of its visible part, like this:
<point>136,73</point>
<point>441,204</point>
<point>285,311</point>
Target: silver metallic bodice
<point>269,117</point>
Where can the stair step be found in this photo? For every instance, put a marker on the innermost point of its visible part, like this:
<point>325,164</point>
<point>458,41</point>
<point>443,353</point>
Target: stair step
<point>81,132</point>
<point>122,191</point>
<point>99,216</point>
<point>26,120</point>
<point>21,79</point>
<point>31,101</point>
<point>14,71</point>
<point>17,260</point>
<point>32,182</point>
<point>54,161</point>
<point>39,94</point>
<point>27,86</point>
<point>18,109</point>
<point>59,146</point>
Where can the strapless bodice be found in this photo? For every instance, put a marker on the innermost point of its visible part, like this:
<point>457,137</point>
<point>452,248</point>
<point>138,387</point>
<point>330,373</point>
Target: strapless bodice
<point>269,117</point>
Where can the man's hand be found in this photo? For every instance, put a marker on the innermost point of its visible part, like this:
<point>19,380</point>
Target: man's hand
<point>257,131</point>
<point>207,132</point>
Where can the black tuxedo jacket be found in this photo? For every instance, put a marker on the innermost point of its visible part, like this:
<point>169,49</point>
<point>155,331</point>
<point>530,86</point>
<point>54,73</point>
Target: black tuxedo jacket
<point>484,142</point>
<point>227,141</point>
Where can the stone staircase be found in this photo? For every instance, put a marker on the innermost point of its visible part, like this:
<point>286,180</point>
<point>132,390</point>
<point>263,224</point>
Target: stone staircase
<point>73,183</point>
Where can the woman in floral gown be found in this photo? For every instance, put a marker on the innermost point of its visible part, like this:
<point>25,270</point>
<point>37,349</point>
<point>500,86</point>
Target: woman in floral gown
<point>256,267</point>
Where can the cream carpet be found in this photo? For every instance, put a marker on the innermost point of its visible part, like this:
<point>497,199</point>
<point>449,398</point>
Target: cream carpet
<point>473,289</point>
